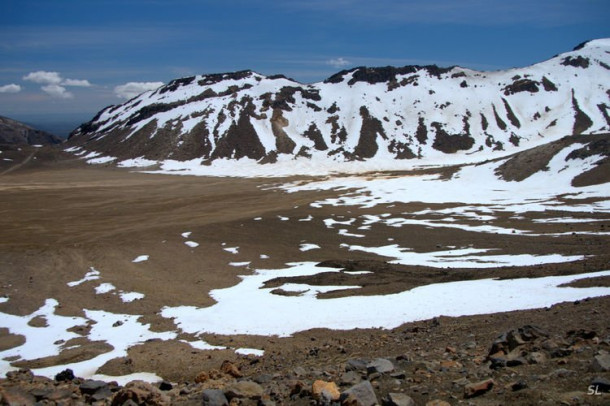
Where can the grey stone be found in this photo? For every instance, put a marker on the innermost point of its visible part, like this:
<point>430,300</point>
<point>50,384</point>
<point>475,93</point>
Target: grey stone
<point>350,378</point>
<point>244,389</point>
<point>536,357</point>
<point>379,365</point>
<point>400,399</point>
<point>214,397</point>
<point>356,365</point>
<point>91,386</point>
<point>601,363</point>
<point>361,394</point>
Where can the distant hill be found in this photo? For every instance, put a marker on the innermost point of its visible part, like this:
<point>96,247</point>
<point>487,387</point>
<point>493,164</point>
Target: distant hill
<point>17,133</point>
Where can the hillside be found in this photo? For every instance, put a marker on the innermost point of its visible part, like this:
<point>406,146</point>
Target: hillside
<point>413,114</point>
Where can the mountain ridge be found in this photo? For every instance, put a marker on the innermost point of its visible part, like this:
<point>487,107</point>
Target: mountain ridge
<point>406,113</point>
<point>14,132</point>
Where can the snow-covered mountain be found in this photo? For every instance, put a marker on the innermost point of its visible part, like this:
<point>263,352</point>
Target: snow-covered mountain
<point>417,113</point>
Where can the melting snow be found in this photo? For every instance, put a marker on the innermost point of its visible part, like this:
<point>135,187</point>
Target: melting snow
<point>250,351</point>
<point>308,247</point>
<point>131,296</point>
<point>104,288</point>
<point>141,258</point>
<point>92,275</point>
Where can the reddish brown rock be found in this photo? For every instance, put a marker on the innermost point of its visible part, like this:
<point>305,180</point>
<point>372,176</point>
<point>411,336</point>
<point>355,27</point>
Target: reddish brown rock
<point>323,390</point>
<point>478,388</point>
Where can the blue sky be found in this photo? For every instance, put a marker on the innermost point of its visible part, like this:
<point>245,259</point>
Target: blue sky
<point>64,60</point>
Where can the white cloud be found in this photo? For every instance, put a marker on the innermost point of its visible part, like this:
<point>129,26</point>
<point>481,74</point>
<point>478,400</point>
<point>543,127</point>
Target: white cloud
<point>57,91</point>
<point>12,88</point>
<point>338,62</point>
<point>44,77</point>
<point>54,84</point>
<point>76,83</point>
<point>132,89</point>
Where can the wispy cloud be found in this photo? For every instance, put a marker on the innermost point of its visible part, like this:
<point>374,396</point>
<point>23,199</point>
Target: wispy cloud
<point>338,62</point>
<point>12,88</point>
<point>132,89</point>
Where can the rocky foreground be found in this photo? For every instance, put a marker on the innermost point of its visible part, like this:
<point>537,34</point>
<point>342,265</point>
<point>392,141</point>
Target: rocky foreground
<point>444,361</point>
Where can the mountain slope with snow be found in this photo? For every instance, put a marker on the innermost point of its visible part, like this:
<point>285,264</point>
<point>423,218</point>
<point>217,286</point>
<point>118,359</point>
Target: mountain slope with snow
<point>416,114</point>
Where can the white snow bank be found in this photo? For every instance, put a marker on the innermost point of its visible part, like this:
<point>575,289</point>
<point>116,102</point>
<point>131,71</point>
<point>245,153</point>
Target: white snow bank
<point>247,308</point>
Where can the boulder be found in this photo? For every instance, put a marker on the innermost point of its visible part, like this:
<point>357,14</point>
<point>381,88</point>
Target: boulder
<point>361,394</point>
<point>244,390</point>
<point>379,365</point>
<point>214,397</point>
<point>325,391</point>
<point>65,375</point>
<point>601,363</point>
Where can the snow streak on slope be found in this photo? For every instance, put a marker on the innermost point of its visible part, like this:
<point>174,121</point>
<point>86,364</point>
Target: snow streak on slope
<point>381,115</point>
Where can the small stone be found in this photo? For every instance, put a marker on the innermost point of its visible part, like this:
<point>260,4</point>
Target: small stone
<point>356,365</point>
<point>65,375</point>
<point>299,371</point>
<point>91,386</point>
<point>361,394</point>
<point>166,386</point>
<point>562,373</point>
<point>517,386</point>
<point>379,365</point>
<point>214,397</point>
<point>400,399</point>
<point>350,378</point>
<point>262,378</point>
<point>437,402</point>
<point>325,391</point>
<point>230,369</point>
<point>601,363</point>
<point>478,388</point>
<point>244,390</point>
<point>536,357</point>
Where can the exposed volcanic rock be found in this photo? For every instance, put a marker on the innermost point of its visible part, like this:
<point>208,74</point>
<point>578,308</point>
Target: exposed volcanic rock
<point>359,114</point>
<point>16,133</point>
<point>371,128</point>
<point>450,143</point>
